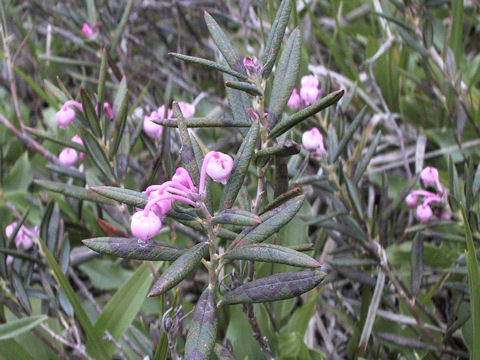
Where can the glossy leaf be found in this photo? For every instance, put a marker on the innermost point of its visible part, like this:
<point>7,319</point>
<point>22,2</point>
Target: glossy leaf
<point>272,221</point>
<point>272,254</point>
<point>237,217</point>
<point>203,328</point>
<point>228,51</point>
<point>74,191</point>
<point>180,269</point>
<point>125,196</point>
<point>285,77</point>
<point>15,328</point>
<point>210,64</point>
<point>274,287</point>
<point>130,248</point>
<point>301,115</point>
<point>240,167</point>
<point>275,36</point>
<point>244,86</point>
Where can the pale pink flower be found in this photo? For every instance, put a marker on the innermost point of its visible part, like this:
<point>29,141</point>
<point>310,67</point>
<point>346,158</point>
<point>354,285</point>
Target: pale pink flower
<point>68,156</point>
<point>145,226</point>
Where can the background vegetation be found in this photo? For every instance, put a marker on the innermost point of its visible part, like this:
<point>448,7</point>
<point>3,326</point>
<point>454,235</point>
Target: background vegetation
<point>396,288</point>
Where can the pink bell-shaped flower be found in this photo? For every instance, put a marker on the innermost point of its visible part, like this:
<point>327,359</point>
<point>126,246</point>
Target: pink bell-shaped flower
<point>309,95</point>
<point>77,139</point>
<point>411,200</point>
<point>68,157</point>
<point>309,81</point>
<point>294,102</point>
<point>187,109</point>
<point>424,213</point>
<point>429,176</point>
<point>312,140</point>
<point>88,31</point>
<point>9,260</point>
<point>161,207</point>
<point>219,166</point>
<point>24,237</point>
<point>64,116</point>
<point>183,177</point>
<point>150,128</point>
<point>108,111</point>
<point>144,227</point>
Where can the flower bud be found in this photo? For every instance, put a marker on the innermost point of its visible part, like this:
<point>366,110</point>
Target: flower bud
<point>252,66</point>
<point>309,95</point>
<point>182,177</point>
<point>77,139</point>
<point>24,237</point>
<point>429,176</point>
<point>150,128</point>
<point>187,109</point>
<point>424,213</point>
<point>88,31</point>
<point>411,200</point>
<point>9,260</point>
<point>309,81</point>
<point>294,102</point>
<point>219,167</point>
<point>144,227</point>
<point>313,140</point>
<point>68,157</point>
<point>108,111</point>
<point>64,116</point>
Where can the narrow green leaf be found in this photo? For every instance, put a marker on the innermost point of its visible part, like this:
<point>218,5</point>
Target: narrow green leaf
<point>210,64</point>
<point>275,36</point>
<point>203,328</point>
<point>186,151</point>
<point>14,328</point>
<point>417,264</point>
<point>96,349</point>
<point>473,285</point>
<point>74,191</point>
<point>205,122</point>
<point>348,135</point>
<point>180,269</point>
<point>274,287</point>
<point>101,82</point>
<point>239,103</point>
<point>130,248</point>
<point>194,224</point>
<point>223,353</point>
<point>121,25</point>
<point>362,165</point>
<point>237,217</point>
<point>240,166</point>
<point>90,114</point>
<point>244,86</point>
<point>56,139</point>
<point>123,307</point>
<point>228,51</point>
<point>96,153</point>
<point>283,198</point>
<point>121,121</point>
<point>272,254</point>
<point>272,221</point>
<point>125,196</point>
<point>301,115</point>
<point>285,76</point>
<point>288,148</point>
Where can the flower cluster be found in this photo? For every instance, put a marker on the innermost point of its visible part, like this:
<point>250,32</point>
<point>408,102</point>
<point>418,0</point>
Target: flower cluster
<point>64,117</point>
<point>154,130</point>
<point>24,237</point>
<point>147,223</point>
<point>312,140</point>
<point>308,94</point>
<point>431,179</point>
